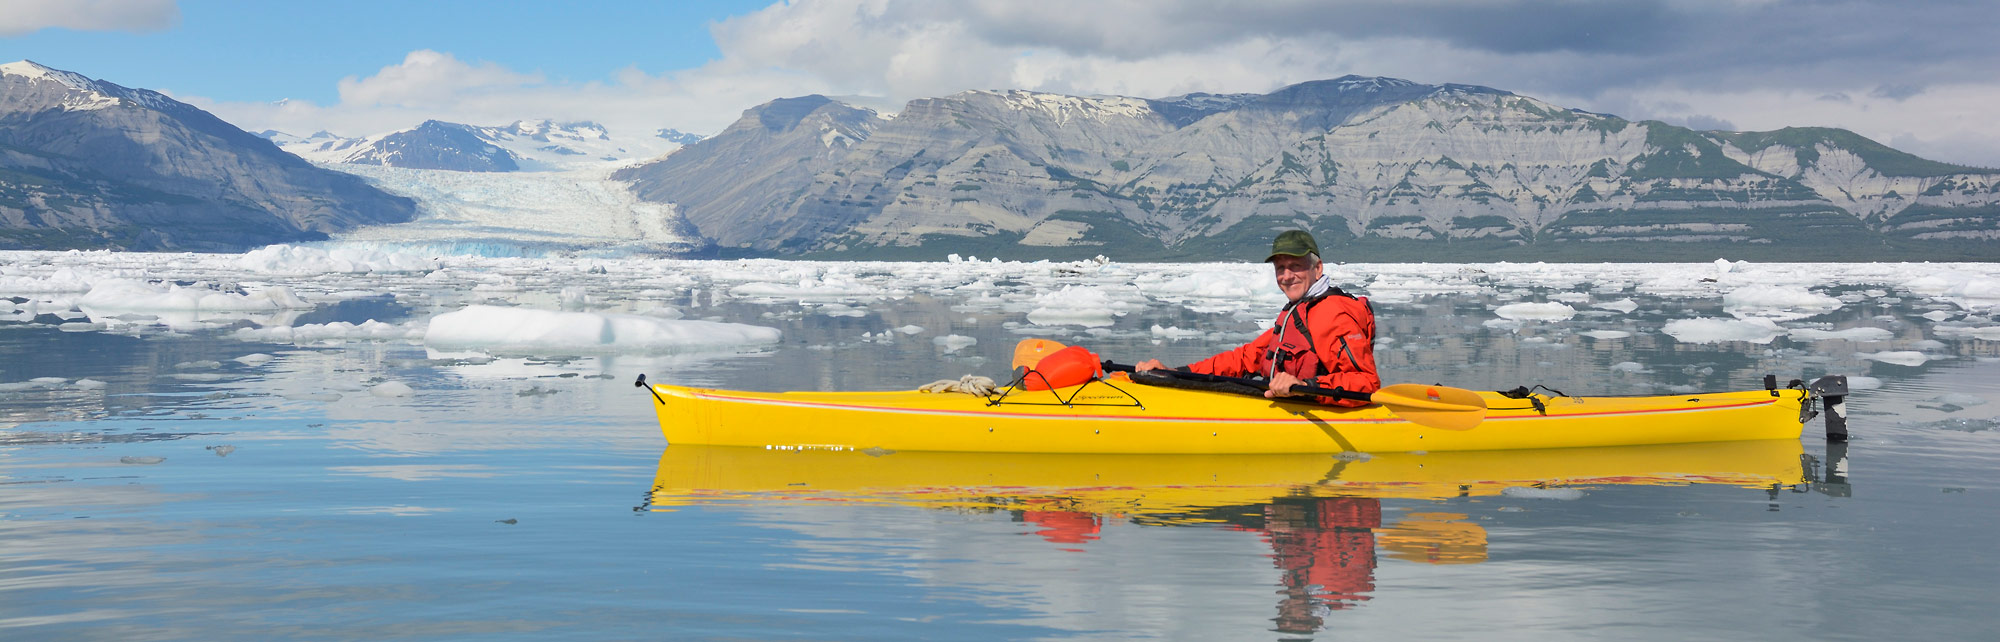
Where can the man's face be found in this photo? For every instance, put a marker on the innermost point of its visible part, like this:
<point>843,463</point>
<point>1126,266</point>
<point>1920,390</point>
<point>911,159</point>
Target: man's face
<point>1296,274</point>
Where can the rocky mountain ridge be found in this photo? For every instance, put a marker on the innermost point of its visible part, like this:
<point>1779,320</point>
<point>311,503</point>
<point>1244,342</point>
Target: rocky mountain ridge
<point>1380,168</point>
<point>91,164</point>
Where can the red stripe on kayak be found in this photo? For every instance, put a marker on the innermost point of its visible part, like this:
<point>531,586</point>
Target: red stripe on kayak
<point>1660,411</point>
<point>1211,420</point>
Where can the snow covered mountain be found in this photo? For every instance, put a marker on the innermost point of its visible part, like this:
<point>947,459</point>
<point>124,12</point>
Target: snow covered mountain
<point>90,164</point>
<point>1378,168</point>
<point>525,145</point>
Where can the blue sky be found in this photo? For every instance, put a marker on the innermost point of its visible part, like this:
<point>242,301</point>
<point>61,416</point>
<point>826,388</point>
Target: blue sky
<point>1915,74</point>
<point>263,50</point>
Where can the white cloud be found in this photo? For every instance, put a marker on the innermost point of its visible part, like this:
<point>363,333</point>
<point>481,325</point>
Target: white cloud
<point>428,79</point>
<point>20,17</point>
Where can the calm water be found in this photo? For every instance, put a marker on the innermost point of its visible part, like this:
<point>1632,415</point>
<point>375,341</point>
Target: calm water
<point>531,495</point>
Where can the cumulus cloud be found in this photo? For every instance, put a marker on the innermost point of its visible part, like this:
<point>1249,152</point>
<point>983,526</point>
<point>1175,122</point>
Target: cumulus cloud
<point>430,79</point>
<point>20,17</point>
<point>1755,64</point>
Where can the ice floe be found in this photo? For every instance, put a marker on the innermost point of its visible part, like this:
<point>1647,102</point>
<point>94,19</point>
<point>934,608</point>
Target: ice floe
<point>1084,305</point>
<point>1706,330</point>
<point>337,331</point>
<point>297,260</point>
<point>1897,357</point>
<point>1850,334</point>
<point>524,330</point>
<point>1535,311</point>
<point>1777,303</point>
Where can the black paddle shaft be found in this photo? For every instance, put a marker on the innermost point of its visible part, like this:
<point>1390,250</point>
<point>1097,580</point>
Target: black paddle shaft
<point>1337,393</point>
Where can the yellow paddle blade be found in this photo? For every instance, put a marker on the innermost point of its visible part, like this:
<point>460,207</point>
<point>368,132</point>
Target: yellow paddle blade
<point>1437,407</point>
<point>1029,352</point>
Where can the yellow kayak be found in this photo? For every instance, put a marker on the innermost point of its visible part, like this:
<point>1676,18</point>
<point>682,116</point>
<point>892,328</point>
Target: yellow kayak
<point>1117,415</point>
<point>1166,486</point>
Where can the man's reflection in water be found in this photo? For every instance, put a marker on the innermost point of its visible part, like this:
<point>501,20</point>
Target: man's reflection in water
<point>1326,548</point>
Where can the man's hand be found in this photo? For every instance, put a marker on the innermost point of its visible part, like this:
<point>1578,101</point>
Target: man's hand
<point>1281,385</point>
<point>1150,364</point>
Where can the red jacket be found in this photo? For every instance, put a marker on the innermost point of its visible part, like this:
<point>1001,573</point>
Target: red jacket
<point>1340,353</point>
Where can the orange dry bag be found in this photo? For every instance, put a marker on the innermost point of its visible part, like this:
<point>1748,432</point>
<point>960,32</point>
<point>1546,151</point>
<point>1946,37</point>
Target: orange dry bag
<point>1071,366</point>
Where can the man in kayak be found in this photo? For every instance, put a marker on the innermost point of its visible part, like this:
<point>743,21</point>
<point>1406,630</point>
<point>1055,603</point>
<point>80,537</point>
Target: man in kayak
<point>1324,337</point>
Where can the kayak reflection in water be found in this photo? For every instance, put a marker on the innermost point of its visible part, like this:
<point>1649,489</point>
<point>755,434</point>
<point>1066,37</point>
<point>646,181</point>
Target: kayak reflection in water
<point>1323,337</point>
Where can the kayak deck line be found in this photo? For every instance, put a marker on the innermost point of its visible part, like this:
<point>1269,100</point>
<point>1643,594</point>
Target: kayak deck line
<point>1205,420</point>
<point>1030,415</point>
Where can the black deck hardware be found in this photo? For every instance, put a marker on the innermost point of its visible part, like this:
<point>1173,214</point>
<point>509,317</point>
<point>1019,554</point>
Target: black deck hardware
<point>641,383</point>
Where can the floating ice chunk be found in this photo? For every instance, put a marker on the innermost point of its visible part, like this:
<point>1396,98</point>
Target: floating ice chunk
<point>302,261</point>
<point>61,280</point>
<point>1938,315</point>
<point>1963,424</point>
<point>1777,302</point>
<point>1084,305</point>
<point>1175,333</point>
<point>1208,284</point>
<point>1399,289</point>
<point>1706,330</point>
<point>1535,311</point>
<point>911,329</point>
<point>1530,492</point>
<point>124,295</point>
<point>832,284</point>
<point>1622,305</point>
<point>1629,367</point>
<point>517,329</point>
<point>370,330</point>
<point>1974,292</point>
<point>1607,334</point>
<point>1988,333</point>
<point>1570,297</point>
<point>1850,334</point>
<point>391,389</point>
<point>204,364</point>
<point>952,343</point>
<point>1858,382</point>
<point>842,310</point>
<point>1959,399</point>
<point>90,384</point>
<point>254,359</point>
<point>1910,358</point>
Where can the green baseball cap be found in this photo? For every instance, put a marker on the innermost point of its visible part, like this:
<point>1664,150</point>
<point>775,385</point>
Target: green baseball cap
<point>1293,243</point>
